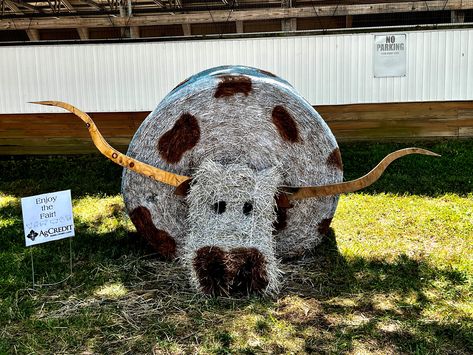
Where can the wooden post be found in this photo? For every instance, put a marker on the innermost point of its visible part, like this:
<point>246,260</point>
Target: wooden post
<point>457,16</point>
<point>239,27</point>
<point>134,32</point>
<point>83,33</point>
<point>33,34</point>
<point>186,28</point>
<point>289,24</point>
<point>349,21</point>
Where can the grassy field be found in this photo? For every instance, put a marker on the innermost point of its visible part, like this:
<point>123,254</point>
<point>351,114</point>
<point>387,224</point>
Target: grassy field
<point>395,274</point>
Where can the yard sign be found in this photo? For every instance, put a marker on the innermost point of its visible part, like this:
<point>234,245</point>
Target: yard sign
<point>47,217</point>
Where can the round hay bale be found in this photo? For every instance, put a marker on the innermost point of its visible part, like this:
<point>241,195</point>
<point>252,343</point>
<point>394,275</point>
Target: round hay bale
<point>233,126</point>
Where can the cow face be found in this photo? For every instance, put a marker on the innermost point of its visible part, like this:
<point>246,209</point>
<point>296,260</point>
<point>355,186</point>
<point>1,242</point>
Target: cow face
<point>229,247</point>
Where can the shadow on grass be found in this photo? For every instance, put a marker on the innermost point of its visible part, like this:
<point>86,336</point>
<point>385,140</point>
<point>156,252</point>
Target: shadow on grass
<point>345,302</point>
<point>384,305</point>
<point>380,302</point>
<point>51,260</point>
<point>91,174</point>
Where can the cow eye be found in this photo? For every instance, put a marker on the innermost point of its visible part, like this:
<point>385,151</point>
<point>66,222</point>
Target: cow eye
<point>247,208</point>
<point>219,207</point>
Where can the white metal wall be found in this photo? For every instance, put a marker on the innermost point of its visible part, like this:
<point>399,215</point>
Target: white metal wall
<point>326,69</point>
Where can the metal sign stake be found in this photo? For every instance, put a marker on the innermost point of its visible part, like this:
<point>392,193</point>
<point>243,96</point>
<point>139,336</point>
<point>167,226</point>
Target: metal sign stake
<point>55,283</point>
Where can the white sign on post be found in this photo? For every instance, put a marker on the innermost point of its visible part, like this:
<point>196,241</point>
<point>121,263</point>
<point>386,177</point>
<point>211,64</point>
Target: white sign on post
<point>389,55</point>
<point>47,217</point>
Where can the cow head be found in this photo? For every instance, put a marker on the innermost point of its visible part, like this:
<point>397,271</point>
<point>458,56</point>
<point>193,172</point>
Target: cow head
<point>229,247</point>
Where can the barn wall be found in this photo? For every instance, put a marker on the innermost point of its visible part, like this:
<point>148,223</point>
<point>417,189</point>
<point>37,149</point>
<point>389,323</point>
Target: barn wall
<point>53,133</point>
<point>326,69</point>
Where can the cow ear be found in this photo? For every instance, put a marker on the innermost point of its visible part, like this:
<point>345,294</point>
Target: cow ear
<point>183,188</point>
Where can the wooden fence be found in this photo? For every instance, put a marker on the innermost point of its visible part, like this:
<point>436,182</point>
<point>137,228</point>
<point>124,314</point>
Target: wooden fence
<point>26,134</point>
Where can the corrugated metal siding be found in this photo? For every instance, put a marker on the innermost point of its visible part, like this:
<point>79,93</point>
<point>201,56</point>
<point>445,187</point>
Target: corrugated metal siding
<point>327,70</point>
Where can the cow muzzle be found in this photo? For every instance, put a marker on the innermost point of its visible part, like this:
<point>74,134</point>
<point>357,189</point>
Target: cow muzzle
<point>240,271</point>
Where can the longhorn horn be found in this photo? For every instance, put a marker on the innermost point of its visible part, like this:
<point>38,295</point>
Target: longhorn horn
<point>299,193</point>
<point>113,154</point>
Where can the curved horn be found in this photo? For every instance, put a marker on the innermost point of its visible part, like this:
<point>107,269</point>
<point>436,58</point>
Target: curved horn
<point>299,193</point>
<point>113,154</point>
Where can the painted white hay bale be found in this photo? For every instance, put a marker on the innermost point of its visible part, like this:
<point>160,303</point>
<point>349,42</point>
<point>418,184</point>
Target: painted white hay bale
<point>217,120</point>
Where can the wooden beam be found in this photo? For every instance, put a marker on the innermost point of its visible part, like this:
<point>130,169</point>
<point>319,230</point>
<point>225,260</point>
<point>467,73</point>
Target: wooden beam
<point>186,28</point>
<point>129,8</point>
<point>68,5</point>
<point>286,3</point>
<point>93,4</point>
<point>349,21</point>
<point>55,6</point>
<point>113,4</point>
<point>12,6</point>
<point>289,24</point>
<point>457,16</point>
<point>239,27</point>
<point>134,32</point>
<point>224,16</point>
<point>33,34</point>
<point>83,33</point>
<point>28,6</point>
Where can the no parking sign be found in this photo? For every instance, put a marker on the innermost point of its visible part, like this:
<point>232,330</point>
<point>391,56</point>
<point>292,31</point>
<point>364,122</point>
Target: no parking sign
<point>389,55</point>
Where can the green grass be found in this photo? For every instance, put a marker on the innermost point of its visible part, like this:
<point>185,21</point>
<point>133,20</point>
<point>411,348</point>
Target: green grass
<point>395,275</point>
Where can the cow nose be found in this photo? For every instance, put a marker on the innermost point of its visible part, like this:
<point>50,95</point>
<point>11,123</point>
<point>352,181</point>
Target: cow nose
<point>241,271</point>
<point>209,265</point>
<point>248,269</point>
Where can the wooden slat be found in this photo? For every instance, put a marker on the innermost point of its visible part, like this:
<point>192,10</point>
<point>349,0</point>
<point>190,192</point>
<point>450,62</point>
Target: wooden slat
<point>65,134</point>
<point>13,6</point>
<point>238,15</point>
<point>83,33</point>
<point>33,34</point>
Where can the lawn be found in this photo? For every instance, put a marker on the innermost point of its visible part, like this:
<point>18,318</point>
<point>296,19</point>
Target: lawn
<point>394,275</point>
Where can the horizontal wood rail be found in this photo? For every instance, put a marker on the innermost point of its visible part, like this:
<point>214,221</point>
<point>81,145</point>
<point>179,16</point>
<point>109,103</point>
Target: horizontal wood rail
<point>318,10</point>
<point>61,133</point>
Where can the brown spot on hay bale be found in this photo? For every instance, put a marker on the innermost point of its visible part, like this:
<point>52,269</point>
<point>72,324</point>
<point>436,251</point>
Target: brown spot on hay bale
<point>182,137</point>
<point>324,226</point>
<point>232,84</point>
<point>282,200</point>
<point>285,124</point>
<point>335,159</point>
<point>210,267</point>
<point>159,240</point>
<point>247,269</point>
<point>282,205</point>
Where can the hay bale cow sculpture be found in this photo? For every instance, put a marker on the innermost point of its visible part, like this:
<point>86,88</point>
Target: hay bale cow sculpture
<point>231,172</point>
